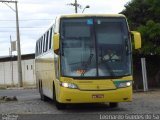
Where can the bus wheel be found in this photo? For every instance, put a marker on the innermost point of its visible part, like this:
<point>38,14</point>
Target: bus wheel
<point>54,93</point>
<point>113,105</point>
<point>42,96</point>
<point>59,106</point>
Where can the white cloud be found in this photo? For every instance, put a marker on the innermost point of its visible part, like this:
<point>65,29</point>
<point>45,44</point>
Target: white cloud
<point>43,9</point>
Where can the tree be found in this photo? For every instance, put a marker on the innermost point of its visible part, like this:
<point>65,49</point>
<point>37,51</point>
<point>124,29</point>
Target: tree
<point>144,16</point>
<point>151,37</point>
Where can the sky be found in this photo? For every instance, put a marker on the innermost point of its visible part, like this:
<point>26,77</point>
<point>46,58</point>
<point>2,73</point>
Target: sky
<point>35,16</point>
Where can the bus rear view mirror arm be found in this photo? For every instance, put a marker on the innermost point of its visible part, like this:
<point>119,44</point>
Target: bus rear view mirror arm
<point>56,42</point>
<point>137,39</point>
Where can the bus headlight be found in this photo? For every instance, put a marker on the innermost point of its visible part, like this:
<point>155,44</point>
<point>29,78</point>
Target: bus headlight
<point>69,85</point>
<point>122,84</point>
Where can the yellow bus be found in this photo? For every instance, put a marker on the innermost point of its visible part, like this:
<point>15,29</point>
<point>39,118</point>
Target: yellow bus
<point>86,58</point>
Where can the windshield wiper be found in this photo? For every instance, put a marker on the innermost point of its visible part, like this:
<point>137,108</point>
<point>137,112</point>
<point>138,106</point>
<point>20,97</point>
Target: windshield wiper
<point>87,64</point>
<point>128,51</point>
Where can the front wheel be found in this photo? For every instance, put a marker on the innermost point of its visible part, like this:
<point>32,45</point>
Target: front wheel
<point>113,105</point>
<point>59,106</point>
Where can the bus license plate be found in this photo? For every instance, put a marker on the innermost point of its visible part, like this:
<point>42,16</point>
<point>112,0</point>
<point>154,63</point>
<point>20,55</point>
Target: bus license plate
<point>98,96</point>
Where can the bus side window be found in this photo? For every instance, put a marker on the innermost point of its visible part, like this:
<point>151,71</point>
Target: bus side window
<point>40,46</point>
<point>47,41</point>
<point>44,42</point>
<point>50,38</point>
<point>36,49</point>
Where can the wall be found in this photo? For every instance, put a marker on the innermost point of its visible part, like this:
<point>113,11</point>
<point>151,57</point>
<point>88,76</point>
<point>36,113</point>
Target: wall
<point>9,76</point>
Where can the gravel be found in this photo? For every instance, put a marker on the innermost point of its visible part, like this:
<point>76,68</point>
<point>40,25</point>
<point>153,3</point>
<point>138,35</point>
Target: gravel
<point>29,103</point>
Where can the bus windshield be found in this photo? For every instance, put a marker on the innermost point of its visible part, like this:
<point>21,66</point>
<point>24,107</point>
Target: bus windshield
<point>95,47</point>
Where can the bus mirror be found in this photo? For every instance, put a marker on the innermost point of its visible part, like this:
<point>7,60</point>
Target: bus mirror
<point>137,39</point>
<point>56,42</point>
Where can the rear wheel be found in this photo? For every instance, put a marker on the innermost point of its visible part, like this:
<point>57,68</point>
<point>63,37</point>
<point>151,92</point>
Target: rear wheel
<point>42,96</point>
<point>59,106</point>
<point>113,105</point>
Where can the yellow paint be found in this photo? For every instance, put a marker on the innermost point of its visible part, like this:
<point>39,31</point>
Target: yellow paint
<point>137,39</point>
<point>91,15</point>
<point>56,41</point>
<point>45,71</point>
<point>79,96</point>
<point>86,88</point>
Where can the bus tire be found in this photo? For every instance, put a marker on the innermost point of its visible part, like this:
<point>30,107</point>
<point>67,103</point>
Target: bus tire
<point>59,106</point>
<point>42,96</point>
<point>54,93</point>
<point>113,104</point>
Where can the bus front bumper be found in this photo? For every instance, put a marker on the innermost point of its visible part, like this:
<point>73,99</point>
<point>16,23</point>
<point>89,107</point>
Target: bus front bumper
<point>67,95</point>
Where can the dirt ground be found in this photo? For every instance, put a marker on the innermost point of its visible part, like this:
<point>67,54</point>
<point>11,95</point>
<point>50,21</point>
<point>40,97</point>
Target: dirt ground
<point>29,103</point>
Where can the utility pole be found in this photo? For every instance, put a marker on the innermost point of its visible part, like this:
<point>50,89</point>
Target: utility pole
<point>76,5</point>
<point>19,49</point>
<point>144,74</point>
<point>10,50</point>
<point>18,41</point>
<point>76,10</point>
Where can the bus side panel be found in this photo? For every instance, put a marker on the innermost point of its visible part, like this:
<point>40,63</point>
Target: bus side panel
<point>45,72</point>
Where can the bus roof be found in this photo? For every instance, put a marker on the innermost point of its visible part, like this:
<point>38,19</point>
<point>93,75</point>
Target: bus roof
<point>90,15</point>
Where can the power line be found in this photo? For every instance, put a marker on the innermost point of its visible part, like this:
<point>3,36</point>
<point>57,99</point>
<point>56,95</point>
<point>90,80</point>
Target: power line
<point>26,27</point>
<point>29,20</point>
<point>21,31</point>
<point>3,31</point>
<point>18,42</point>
